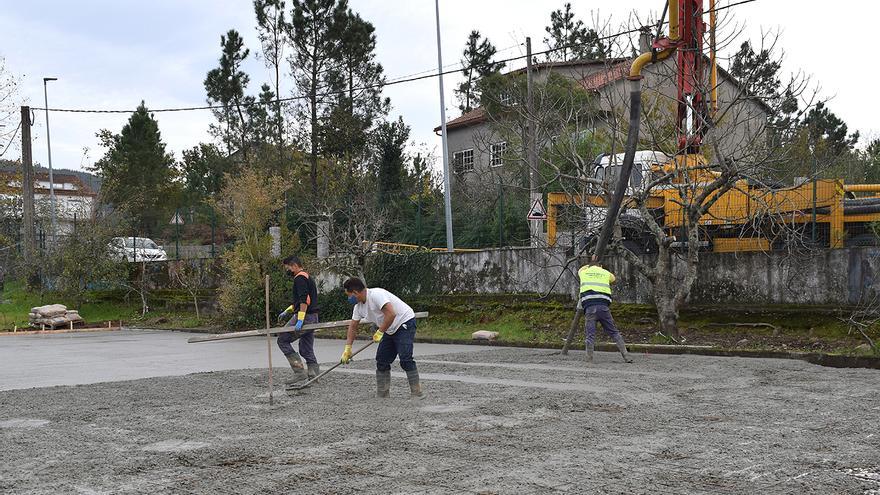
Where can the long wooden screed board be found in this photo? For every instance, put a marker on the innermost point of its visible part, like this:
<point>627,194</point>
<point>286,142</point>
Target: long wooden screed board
<point>277,330</point>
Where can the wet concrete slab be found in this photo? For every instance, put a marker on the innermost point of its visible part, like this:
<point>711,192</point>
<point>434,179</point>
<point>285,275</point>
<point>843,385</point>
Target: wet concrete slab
<point>494,421</point>
<point>83,358</point>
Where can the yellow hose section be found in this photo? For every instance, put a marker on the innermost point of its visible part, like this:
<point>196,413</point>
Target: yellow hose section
<point>862,187</point>
<point>635,71</point>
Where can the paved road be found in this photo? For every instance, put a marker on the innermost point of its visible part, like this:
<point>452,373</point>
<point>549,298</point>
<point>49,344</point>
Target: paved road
<point>81,358</point>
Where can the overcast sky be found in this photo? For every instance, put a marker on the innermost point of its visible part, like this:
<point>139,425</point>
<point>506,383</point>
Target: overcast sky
<point>111,54</point>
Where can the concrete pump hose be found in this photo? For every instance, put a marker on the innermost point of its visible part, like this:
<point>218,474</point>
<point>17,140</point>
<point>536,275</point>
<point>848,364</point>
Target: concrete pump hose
<point>632,142</point>
<point>861,202</point>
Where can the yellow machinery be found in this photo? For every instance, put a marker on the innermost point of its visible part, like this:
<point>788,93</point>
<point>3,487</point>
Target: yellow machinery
<point>752,217</point>
<point>747,217</point>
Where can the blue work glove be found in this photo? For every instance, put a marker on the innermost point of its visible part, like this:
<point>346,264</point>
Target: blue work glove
<point>300,319</point>
<point>284,315</point>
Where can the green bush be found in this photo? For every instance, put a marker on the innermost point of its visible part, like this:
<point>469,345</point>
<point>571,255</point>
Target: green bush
<point>402,274</point>
<point>249,306</point>
<point>334,305</point>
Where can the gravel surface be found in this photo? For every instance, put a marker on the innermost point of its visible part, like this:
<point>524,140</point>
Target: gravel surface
<point>497,421</point>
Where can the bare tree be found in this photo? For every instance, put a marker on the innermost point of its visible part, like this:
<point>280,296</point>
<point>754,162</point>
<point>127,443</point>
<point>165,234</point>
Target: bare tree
<point>682,200</point>
<point>10,100</point>
<point>725,190</point>
<point>190,275</point>
<point>356,223</point>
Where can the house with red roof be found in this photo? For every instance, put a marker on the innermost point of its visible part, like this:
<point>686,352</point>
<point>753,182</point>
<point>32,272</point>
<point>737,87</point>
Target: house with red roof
<point>477,147</point>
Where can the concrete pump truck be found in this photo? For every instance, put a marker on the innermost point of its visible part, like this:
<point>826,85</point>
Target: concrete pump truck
<point>743,217</point>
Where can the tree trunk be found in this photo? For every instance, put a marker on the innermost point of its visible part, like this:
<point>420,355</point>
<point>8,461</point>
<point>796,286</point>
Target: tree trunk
<point>667,315</point>
<point>313,115</point>
<point>196,305</point>
<point>665,293</point>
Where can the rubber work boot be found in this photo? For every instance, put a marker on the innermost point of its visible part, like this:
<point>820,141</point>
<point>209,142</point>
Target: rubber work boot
<point>299,371</point>
<point>621,346</point>
<point>383,384</point>
<point>415,388</point>
<point>314,370</point>
<point>589,353</point>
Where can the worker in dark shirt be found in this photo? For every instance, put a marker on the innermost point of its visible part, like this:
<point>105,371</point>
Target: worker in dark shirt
<point>304,310</point>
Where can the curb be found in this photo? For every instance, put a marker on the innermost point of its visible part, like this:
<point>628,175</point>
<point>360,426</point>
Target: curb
<point>828,360</point>
<point>821,359</point>
<point>66,330</point>
<point>205,330</point>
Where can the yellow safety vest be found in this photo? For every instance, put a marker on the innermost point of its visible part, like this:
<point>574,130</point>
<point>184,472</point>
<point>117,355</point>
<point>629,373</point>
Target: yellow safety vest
<point>596,279</point>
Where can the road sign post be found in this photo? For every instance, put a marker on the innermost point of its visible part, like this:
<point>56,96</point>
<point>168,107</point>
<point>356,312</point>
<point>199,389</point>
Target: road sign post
<point>177,221</point>
<point>537,211</point>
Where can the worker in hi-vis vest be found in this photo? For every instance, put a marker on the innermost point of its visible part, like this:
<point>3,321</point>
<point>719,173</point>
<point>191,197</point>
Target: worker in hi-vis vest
<point>595,294</point>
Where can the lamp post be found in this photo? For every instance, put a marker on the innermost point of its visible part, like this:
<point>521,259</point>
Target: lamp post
<point>447,188</point>
<point>49,146</point>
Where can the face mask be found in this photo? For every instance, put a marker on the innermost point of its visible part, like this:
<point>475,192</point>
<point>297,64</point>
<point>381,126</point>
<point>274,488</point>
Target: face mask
<point>352,300</point>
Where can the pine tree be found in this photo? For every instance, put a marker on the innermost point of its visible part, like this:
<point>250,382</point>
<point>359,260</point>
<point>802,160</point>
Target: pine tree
<point>759,74</point>
<point>226,86</point>
<point>273,29</point>
<point>315,31</point>
<point>263,122</point>
<point>137,173</point>
<point>568,38</point>
<point>476,63</point>
<point>391,139</point>
<point>360,79</point>
<point>825,128</point>
<point>203,168</point>
<point>871,156</point>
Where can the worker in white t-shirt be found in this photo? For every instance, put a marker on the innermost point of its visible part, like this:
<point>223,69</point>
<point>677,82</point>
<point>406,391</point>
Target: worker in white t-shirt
<point>397,330</point>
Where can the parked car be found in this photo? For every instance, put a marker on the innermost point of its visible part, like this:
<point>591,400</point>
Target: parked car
<point>136,249</point>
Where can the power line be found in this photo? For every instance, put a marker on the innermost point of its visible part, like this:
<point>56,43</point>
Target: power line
<point>14,135</point>
<point>403,80</point>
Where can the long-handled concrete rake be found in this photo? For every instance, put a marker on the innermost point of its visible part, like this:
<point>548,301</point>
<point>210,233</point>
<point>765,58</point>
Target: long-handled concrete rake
<point>308,383</point>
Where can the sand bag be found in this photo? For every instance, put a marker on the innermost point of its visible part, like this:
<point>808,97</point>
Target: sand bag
<point>57,321</point>
<point>484,335</point>
<point>73,315</point>
<point>50,310</point>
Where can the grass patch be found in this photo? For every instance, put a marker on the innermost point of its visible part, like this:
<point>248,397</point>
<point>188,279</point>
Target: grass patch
<point>523,319</point>
<point>173,310</point>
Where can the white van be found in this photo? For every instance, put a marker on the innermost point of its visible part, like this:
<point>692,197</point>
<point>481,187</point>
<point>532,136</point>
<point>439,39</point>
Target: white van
<point>607,169</point>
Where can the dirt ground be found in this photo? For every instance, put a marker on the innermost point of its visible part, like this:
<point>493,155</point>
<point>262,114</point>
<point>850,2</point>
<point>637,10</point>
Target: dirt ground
<point>499,421</point>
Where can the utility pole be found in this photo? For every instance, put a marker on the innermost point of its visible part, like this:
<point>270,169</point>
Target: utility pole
<point>29,233</point>
<point>447,188</point>
<point>28,229</point>
<point>535,226</point>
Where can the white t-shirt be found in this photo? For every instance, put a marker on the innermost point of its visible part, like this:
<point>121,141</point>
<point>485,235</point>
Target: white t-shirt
<point>371,311</point>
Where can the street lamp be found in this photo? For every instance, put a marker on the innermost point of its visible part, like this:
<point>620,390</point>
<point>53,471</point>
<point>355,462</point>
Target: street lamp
<point>447,188</point>
<point>49,145</point>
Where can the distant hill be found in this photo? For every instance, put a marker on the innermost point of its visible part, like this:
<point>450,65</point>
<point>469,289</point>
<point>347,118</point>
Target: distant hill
<point>93,181</point>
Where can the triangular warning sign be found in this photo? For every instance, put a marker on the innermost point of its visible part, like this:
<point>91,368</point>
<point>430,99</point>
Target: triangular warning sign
<point>537,211</point>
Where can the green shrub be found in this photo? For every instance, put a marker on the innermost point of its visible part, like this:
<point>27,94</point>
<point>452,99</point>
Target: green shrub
<point>334,305</point>
<point>402,274</point>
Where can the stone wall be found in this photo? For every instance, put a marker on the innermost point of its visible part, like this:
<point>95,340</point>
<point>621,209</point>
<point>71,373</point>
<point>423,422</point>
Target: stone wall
<point>834,277</point>
<point>830,277</point>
